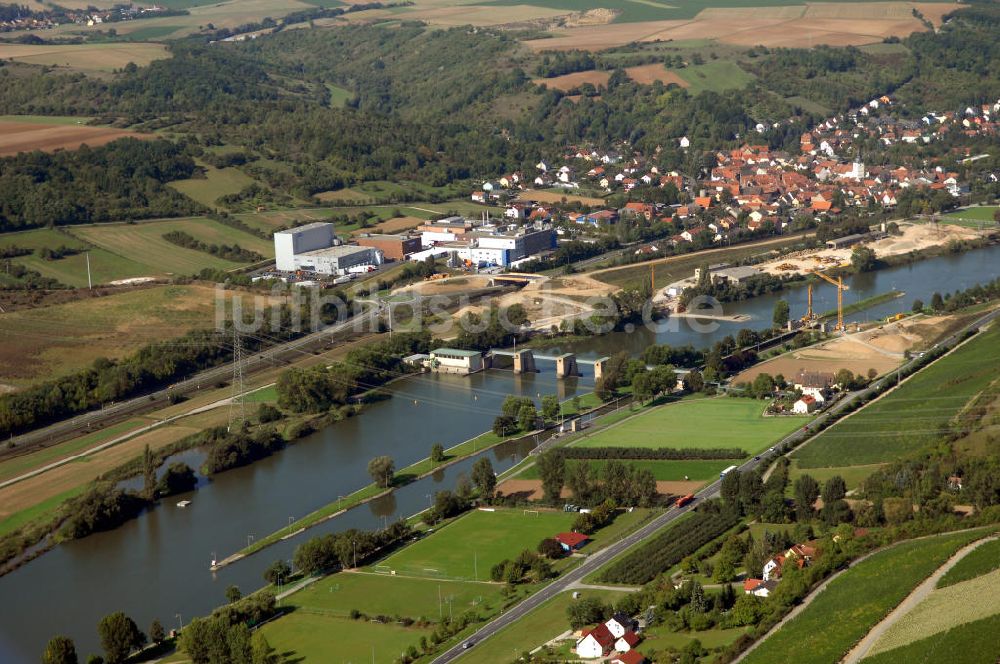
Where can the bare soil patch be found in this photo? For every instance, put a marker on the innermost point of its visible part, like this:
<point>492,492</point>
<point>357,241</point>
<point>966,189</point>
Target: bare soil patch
<point>568,82</point>
<point>532,489</point>
<point>648,74</point>
<point>18,137</point>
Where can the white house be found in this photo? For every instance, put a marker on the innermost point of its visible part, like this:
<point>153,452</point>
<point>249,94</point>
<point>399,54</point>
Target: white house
<point>805,405</point>
<point>759,587</point>
<point>596,642</point>
<point>619,624</point>
<point>627,641</point>
<point>684,142</point>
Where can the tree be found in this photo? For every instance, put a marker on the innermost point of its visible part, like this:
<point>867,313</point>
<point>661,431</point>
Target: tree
<point>233,594</point>
<point>580,481</point>
<point>268,413</point>
<point>277,572</point>
<point>918,306</point>
<point>550,407</point>
<point>119,637</point>
<point>730,488</point>
<point>527,416</point>
<point>504,425</point>
<point>834,489</point>
<point>604,389</point>
<point>863,259</point>
<point>148,474</point>
<point>780,316</point>
<point>806,492</point>
<point>381,469</point>
<point>179,478</point>
<point>261,651</point>
<point>550,548</point>
<point>748,610</point>
<point>484,478</point>
<point>937,302</point>
<point>699,604</point>
<point>586,611</point>
<point>437,453</point>
<point>552,468</point>
<point>60,650</point>
<point>156,632</point>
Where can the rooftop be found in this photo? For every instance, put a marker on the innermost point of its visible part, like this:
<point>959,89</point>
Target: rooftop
<point>338,250</point>
<point>455,351</point>
<point>306,227</point>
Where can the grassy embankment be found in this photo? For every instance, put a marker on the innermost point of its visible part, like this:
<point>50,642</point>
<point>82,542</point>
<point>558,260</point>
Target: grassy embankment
<point>934,401</point>
<point>840,615</point>
<point>866,303</point>
<point>403,477</point>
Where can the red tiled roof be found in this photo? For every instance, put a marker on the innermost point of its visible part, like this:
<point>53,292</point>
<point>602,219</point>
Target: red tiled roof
<point>630,657</point>
<point>751,585</point>
<point>571,540</point>
<point>631,638</point>
<point>601,634</point>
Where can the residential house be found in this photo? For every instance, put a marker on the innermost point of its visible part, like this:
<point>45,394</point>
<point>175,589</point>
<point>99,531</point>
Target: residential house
<point>620,623</point>
<point>595,642</point>
<point>627,641</point>
<point>630,657</point>
<point>759,587</point>
<point>805,405</point>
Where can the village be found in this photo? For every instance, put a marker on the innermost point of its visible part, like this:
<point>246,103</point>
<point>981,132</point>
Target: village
<point>16,17</point>
<point>752,189</point>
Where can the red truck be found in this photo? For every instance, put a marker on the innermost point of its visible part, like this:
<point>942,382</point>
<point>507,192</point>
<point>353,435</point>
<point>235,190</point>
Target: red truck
<point>684,500</point>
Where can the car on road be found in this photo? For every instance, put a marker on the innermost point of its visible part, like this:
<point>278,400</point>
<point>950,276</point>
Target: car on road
<point>757,458</point>
<point>468,644</point>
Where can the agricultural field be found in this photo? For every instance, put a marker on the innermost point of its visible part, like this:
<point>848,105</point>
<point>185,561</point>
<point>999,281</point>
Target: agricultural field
<point>913,416</point>
<point>72,269</point>
<point>380,594</point>
<point>706,423</point>
<point>312,637</point>
<point>556,196</point>
<point>568,82</point>
<point>537,627</point>
<point>667,471</point>
<point>469,546</point>
<point>27,135</point>
<point>143,243</point>
<point>659,638</point>
<point>787,23</point>
<point>944,609</point>
<point>984,559</point>
<point>854,602</point>
<point>971,643</point>
<point>53,341</point>
<point>217,182</point>
<point>88,58</point>
<point>853,476</point>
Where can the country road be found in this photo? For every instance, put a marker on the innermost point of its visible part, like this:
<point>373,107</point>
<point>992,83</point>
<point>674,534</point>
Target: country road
<point>598,559</point>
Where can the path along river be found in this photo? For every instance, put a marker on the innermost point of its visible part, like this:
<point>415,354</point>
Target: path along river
<point>157,566</point>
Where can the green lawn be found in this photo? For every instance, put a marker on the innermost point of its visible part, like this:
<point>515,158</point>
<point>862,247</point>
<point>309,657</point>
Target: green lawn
<point>310,637</point>
<point>854,602</point>
<point>658,638</point>
<point>715,75</point>
<point>71,270</point>
<point>972,643</point>
<point>478,540</point>
<point>913,416</point>
<point>46,119</point>
<point>722,422</point>
<point>143,243</point>
<point>339,96</point>
<point>217,182</point>
<point>381,594</point>
<point>537,627</point>
<point>669,471</point>
<point>18,519</point>
<point>853,475</point>
<point>982,560</point>
<point>974,216</point>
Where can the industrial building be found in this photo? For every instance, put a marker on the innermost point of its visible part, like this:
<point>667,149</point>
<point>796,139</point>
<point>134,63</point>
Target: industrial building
<point>487,245</point>
<point>393,247</point>
<point>456,361</point>
<point>737,274</point>
<point>315,248</point>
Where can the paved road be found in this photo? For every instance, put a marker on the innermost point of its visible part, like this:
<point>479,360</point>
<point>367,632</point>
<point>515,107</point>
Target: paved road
<point>598,559</point>
<point>277,355</point>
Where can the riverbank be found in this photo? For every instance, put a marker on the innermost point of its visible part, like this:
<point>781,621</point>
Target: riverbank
<point>412,473</point>
<point>867,303</point>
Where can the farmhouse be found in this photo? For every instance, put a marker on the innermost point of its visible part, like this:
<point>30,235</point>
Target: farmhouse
<point>630,657</point>
<point>759,587</point>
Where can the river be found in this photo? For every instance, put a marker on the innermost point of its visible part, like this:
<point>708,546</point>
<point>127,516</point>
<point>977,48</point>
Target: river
<point>157,566</point>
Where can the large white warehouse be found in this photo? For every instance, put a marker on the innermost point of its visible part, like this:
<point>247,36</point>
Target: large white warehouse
<point>315,247</point>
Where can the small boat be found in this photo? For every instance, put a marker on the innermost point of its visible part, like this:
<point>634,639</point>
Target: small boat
<point>184,503</point>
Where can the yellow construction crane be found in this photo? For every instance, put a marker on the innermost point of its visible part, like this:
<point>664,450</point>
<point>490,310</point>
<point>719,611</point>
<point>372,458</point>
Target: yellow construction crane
<point>839,283</point>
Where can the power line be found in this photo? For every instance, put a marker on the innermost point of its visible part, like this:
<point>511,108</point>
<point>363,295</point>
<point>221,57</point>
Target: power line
<point>237,403</point>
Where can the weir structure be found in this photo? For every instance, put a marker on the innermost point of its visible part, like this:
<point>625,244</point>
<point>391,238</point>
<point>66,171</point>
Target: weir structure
<point>567,364</point>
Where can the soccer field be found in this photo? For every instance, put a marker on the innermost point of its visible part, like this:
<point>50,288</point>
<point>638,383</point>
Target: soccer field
<point>378,594</point>
<point>469,546</point>
<point>704,423</point>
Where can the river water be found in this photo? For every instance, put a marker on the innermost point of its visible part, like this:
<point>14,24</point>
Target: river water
<point>157,566</point>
